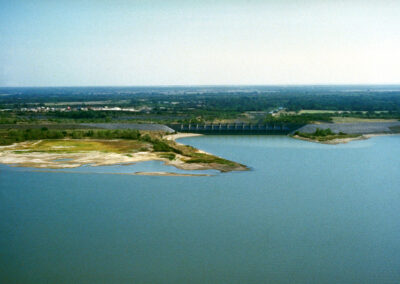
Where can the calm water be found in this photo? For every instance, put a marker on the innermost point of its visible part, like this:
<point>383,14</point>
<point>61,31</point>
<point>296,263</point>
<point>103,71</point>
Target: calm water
<point>306,213</point>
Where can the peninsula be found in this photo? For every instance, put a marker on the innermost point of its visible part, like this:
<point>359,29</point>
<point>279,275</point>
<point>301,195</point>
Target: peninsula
<point>56,149</point>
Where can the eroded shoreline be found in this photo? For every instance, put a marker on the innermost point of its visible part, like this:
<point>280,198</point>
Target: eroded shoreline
<point>169,174</point>
<point>30,154</point>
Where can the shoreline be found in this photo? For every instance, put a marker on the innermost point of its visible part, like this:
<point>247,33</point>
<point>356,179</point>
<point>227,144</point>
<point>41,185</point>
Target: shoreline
<point>19,155</point>
<point>95,159</point>
<point>170,174</point>
<point>22,155</point>
<point>174,137</point>
<point>367,136</point>
<point>164,174</point>
<point>344,140</point>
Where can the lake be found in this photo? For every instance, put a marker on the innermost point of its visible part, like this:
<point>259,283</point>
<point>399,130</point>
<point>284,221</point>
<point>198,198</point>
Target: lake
<point>305,213</point>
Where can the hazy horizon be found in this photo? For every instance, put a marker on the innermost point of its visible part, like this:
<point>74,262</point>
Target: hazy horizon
<point>232,86</point>
<point>208,85</point>
<point>199,43</point>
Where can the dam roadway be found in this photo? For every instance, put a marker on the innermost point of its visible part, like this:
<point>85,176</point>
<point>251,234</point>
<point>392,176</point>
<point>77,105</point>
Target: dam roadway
<point>237,128</point>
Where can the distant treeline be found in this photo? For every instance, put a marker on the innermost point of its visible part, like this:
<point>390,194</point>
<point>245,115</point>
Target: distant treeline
<point>194,117</point>
<point>204,104</point>
<point>237,99</point>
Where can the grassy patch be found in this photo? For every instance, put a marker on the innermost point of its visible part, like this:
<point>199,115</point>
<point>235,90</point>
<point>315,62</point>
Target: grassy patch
<point>169,156</point>
<point>73,146</point>
<point>208,159</point>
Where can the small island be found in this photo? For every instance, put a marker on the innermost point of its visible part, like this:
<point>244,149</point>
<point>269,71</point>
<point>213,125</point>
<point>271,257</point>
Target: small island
<point>60,149</point>
<point>327,136</point>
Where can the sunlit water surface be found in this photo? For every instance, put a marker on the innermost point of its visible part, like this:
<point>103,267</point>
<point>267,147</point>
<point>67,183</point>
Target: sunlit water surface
<point>305,213</point>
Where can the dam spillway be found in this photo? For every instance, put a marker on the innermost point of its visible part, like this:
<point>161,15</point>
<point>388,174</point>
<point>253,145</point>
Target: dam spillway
<point>236,128</point>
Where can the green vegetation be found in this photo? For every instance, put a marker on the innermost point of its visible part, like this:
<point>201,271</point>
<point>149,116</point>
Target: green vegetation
<point>322,135</point>
<point>10,136</point>
<point>198,104</point>
<point>169,156</point>
<point>54,115</point>
<point>107,141</point>
<point>207,159</point>
<point>76,146</point>
<point>160,145</point>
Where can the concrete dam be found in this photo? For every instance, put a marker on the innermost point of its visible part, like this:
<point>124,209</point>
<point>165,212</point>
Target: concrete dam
<point>237,128</point>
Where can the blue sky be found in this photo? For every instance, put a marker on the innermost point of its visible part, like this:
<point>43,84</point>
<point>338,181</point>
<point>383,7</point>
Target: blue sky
<point>87,43</point>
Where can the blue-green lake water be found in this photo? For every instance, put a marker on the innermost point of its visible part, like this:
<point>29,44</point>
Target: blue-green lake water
<point>305,213</point>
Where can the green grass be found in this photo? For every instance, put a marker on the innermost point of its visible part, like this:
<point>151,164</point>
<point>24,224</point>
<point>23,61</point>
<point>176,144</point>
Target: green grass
<point>73,146</point>
<point>169,156</point>
<point>208,159</point>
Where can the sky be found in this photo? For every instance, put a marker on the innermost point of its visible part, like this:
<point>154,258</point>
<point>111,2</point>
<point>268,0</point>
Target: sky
<point>235,42</point>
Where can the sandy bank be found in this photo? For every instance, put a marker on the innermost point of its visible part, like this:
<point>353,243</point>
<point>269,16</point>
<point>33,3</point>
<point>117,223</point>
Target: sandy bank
<point>72,160</point>
<point>93,158</point>
<point>173,137</point>
<point>62,157</point>
<point>176,136</point>
<point>367,136</point>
